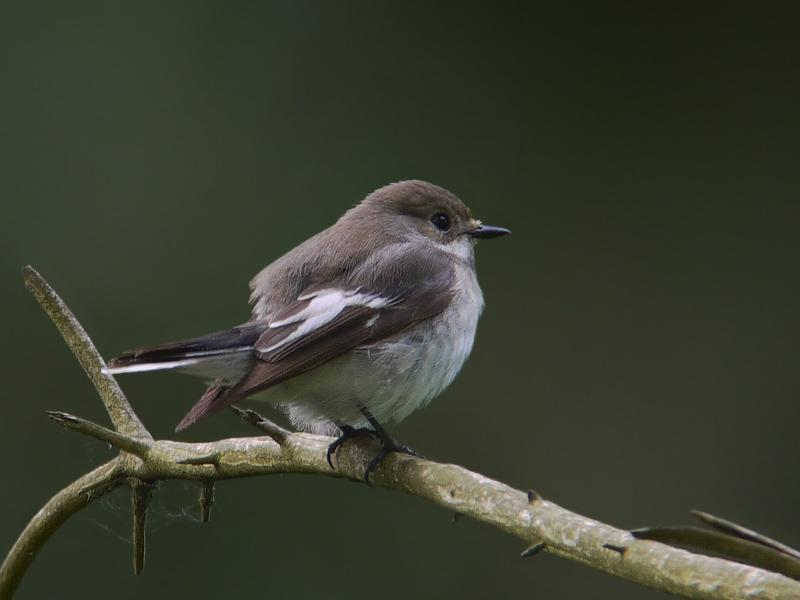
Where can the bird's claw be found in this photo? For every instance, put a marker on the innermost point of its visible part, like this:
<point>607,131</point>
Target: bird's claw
<point>348,433</point>
<point>388,445</point>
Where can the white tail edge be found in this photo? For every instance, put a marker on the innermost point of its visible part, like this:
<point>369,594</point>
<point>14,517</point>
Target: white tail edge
<point>154,366</point>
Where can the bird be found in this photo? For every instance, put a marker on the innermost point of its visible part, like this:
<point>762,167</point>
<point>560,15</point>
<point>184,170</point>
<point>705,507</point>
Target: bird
<point>358,326</point>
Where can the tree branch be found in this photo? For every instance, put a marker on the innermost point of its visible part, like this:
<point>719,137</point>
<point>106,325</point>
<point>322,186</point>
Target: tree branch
<point>541,524</point>
<point>122,415</point>
<point>76,496</point>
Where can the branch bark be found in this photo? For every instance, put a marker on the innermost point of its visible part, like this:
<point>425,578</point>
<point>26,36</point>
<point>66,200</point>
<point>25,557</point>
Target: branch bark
<point>542,524</point>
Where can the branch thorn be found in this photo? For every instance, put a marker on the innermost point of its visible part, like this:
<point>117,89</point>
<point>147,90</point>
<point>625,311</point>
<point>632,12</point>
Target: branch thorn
<point>212,458</point>
<point>621,550</point>
<point>206,500</point>
<point>141,493</point>
<point>533,550</point>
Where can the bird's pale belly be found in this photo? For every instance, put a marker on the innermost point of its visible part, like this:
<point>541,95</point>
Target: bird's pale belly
<point>391,378</point>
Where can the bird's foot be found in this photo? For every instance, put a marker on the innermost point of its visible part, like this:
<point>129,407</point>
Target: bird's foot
<point>388,445</point>
<point>348,433</point>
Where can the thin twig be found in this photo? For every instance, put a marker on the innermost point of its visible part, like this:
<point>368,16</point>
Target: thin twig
<point>119,410</point>
<point>122,442</point>
<point>273,430</point>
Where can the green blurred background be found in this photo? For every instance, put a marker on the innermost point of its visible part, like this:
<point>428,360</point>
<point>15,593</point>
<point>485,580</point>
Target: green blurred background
<point>638,354</point>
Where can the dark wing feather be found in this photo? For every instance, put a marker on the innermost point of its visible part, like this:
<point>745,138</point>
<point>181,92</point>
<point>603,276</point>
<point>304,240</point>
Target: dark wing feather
<point>353,327</point>
<point>352,317</point>
<point>427,295</point>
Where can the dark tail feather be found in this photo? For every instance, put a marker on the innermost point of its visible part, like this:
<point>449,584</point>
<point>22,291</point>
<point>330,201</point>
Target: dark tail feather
<point>185,352</point>
<point>220,395</point>
<point>214,400</point>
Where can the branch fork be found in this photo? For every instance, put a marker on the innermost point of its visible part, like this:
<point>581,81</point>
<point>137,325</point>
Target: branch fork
<point>142,462</point>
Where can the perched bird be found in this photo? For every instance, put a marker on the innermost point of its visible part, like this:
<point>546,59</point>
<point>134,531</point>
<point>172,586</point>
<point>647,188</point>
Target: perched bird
<point>359,325</point>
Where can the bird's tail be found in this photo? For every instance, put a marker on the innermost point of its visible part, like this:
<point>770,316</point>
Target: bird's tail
<point>214,400</point>
<point>207,355</point>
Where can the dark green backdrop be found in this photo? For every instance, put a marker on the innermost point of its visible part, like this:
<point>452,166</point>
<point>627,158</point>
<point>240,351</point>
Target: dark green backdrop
<point>638,354</point>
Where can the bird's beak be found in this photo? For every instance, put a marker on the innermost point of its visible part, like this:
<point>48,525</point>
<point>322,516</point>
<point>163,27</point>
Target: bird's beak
<point>484,232</point>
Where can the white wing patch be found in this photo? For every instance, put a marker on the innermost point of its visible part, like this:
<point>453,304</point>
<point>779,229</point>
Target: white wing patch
<point>324,307</point>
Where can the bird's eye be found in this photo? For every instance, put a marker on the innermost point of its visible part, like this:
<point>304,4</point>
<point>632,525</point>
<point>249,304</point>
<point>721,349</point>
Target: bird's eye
<point>441,221</point>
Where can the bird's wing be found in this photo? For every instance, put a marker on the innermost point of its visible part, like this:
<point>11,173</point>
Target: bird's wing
<point>327,320</point>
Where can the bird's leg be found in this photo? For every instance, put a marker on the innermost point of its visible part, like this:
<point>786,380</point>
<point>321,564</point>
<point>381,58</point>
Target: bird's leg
<point>348,433</point>
<point>388,444</point>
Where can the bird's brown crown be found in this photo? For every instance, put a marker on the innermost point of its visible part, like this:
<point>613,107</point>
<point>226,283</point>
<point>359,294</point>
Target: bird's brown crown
<point>417,198</point>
